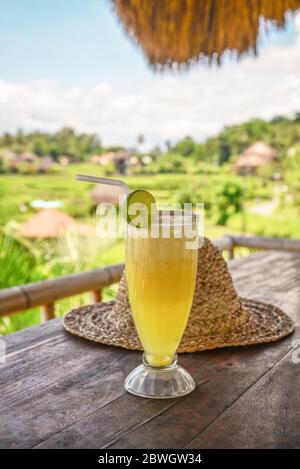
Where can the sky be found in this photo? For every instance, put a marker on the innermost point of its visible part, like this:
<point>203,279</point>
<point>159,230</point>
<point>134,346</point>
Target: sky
<point>69,63</point>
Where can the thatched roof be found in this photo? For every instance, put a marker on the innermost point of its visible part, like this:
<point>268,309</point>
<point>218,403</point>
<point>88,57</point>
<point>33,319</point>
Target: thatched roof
<point>257,155</point>
<point>184,31</point>
<point>27,156</point>
<point>46,163</point>
<point>262,149</point>
<point>51,223</point>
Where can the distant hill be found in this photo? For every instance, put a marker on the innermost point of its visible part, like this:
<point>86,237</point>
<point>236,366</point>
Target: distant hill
<point>77,146</point>
<point>281,133</point>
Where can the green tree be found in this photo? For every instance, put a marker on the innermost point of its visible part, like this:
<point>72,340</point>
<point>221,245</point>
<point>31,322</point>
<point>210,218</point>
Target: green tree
<point>185,147</point>
<point>229,202</point>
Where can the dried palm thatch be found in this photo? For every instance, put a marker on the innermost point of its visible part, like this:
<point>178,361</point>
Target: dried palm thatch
<point>180,32</point>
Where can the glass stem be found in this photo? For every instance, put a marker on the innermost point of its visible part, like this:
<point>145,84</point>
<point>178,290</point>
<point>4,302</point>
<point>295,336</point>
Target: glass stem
<point>159,361</point>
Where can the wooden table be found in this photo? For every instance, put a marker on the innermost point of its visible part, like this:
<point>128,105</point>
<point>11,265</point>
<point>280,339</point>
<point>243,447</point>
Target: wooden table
<point>58,391</point>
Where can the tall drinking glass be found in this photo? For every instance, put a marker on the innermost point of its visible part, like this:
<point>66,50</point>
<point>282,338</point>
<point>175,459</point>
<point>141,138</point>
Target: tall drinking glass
<point>161,267</point>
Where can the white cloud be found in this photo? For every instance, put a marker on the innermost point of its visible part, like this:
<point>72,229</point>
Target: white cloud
<point>198,103</point>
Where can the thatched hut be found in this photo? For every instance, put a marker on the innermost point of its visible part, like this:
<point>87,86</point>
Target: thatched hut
<point>46,164</point>
<point>27,160</point>
<point>51,223</point>
<point>257,156</point>
<point>27,157</point>
<point>180,32</point>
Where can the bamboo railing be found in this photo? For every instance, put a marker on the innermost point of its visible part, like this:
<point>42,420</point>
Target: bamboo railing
<point>46,292</point>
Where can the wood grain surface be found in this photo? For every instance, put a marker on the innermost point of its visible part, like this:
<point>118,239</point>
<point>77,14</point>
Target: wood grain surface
<point>59,391</point>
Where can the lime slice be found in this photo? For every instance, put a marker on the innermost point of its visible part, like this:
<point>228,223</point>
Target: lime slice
<point>141,208</point>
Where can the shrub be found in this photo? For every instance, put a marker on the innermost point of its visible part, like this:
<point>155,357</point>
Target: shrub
<point>229,202</point>
<point>222,198</point>
<point>168,163</point>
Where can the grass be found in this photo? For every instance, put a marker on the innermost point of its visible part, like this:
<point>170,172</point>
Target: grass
<point>18,191</point>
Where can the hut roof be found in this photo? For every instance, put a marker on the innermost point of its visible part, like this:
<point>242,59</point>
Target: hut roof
<point>51,223</point>
<point>27,156</point>
<point>46,163</point>
<point>257,155</point>
<point>261,148</point>
<point>184,31</point>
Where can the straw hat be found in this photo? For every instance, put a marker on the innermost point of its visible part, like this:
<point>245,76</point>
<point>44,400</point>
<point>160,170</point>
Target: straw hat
<point>219,318</point>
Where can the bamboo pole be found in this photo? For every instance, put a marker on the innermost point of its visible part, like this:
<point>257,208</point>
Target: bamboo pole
<point>47,292</point>
<point>96,296</point>
<point>48,312</point>
<point>276,244</point>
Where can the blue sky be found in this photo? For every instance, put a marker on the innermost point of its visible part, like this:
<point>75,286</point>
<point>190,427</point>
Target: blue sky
<point>69,41</point>
<point>68,62</point>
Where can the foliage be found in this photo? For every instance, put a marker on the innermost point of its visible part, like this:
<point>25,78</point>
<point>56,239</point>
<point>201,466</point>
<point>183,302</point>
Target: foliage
<point>222,198</point>
<point>109,169</point>
<point>167,163</point>
<point>64,142</point>
<point>23,262</point>
<point>281,132</point>
<point>229,202</point>
<point>185,147</point>
<point>18,262</point>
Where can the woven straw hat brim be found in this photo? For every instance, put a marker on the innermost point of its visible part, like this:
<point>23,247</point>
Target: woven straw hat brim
<point>265,323</point>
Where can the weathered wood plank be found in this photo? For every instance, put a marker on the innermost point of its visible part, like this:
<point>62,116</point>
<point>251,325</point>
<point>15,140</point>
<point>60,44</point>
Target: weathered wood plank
<point>66,392</point>
<point>121,415</point>
<point>266,416</point>
<point>31,336</point>
<point>54,385</point>
<point>225,377</point>
<point>223,384</point>
<point>130,422</point>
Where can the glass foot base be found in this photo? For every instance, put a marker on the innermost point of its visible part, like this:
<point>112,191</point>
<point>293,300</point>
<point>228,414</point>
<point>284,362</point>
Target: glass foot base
<point>159,383</point>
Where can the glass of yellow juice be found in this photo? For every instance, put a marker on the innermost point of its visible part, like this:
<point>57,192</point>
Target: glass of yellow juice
<point>161,267</point>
